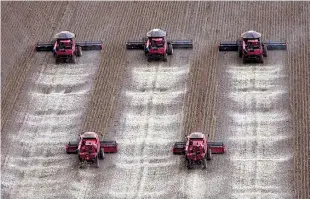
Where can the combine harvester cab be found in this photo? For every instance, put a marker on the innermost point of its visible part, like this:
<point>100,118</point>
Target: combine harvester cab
<point>90,148</point>
<point>197,150</point>
<point>66,48</point>
<point>156,46</point>
<point>250,47</point>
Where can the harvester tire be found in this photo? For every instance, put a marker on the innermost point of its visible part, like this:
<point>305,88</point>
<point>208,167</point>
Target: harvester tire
<point>101,154</point>
<point>79,51</point>
<point>73,59</point>
<point>209,154</point>
<point>204,164</point>
<point>265,51</point>
<point>244,59</point>
<point>170,49</point>
<point>165,57</point>
<point>240,51</point>
<point>146,51</point>
<point>149,59</point>
<point>97,162</point>
<point>188,164</point>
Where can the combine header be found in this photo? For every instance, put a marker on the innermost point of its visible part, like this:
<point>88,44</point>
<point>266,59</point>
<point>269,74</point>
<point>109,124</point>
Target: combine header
<point>65,48</point>
<point>156,46</point>
<point>90,148</point>
<point>197,149</point>
<point>251,48</point>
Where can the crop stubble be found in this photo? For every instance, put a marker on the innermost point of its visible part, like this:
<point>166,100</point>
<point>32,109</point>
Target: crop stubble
<point>205,22</point>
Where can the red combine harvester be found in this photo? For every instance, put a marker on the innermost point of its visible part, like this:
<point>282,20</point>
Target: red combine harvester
<point>90,149</point>
<point>197,149</point>
<point>156,47</point>
<point>65,48</point>
<point>251,48</point>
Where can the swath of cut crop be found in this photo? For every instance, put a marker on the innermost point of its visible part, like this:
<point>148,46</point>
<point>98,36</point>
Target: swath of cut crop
<point>260,166</point>
<point>53,116</point>
<point>148,127</point>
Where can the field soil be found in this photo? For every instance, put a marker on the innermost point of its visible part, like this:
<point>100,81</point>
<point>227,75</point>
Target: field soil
<point>260,111</point>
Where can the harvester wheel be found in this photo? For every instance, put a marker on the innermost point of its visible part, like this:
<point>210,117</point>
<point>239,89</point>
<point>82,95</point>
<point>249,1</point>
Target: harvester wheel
<point>240,51</point>
<point>261,60</point>
<point>73,59</point>
<point>101,154</point>
<point>165,57</point>
<point>244,59</point>
<point>188,164</point>
<point>204,162</point>
<point>83,164</point>
<point>170,49</point>
<point>97,162</point>
<point>265,51</point>
<point>146,51</point>
<point>209,154</point>
<point>149,59</point>
<point>79,51</point>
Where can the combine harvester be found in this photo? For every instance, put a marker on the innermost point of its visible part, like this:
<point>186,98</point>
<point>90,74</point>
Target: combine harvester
<point>90,148</point>
<point>197,149</point>
<point>65,48</point>
<point>251,48</point>
<point>155,45</point>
